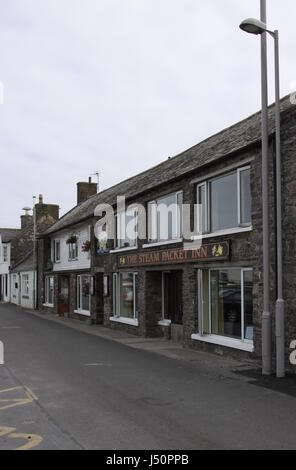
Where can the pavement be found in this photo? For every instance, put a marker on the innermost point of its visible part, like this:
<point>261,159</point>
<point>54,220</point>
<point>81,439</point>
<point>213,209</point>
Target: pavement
<point>69,385</point>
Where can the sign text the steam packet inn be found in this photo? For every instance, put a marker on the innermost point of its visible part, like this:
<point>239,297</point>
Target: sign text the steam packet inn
<point>210,252</point>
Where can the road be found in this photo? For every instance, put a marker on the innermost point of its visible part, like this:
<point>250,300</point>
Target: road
<point>65,389</point>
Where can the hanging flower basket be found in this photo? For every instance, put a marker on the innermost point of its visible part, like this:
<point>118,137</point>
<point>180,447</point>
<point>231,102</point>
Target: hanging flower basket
<point>72,239</point>
<point>86,246</point>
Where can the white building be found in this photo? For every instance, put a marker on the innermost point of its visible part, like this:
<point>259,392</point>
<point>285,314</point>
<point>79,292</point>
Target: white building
<point>22,283</point>
<point>6,235</point>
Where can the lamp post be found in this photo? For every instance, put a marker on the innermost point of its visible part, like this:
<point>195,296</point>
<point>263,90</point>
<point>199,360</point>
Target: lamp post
<point>254,26</point>
<point>34,252</point>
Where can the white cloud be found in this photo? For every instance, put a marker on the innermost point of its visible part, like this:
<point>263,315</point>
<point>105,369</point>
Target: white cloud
<point>119,85</point>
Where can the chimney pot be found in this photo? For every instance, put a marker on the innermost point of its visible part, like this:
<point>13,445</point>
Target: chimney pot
<point>40,199</point>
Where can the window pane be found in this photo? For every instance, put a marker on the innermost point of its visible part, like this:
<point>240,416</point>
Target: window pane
<point>201,200</point>
<point>166,218</point>
<point>85,282</point>
<point>127,295</point>
<point>245,188</point>
<point>248,304</point>
<point>205,303</point>
<point>226,303</point>
<point>224,202</point>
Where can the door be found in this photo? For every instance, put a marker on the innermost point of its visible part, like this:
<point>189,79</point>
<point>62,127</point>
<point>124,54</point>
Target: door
<point>64,296</point>
<point>173,297</point>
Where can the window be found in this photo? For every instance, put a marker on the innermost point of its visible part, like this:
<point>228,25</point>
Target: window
<point>25,284</point>
<point>73,251</point>
<point>124,295</point>
<point>226,303</point>
<point>83,294</point>
<point>127,228</point>
<point>49,290</point>
<point>5,253</point>
<point>57,251</point>
<point>165,218</point>
<point>225,202</point>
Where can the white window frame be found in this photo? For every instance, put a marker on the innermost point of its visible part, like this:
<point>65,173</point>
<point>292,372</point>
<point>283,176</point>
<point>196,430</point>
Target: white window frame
<point>153,220</point>
<point>55,244</point>
<point>79,310</point>
<point>120,230</point>
<point>116,300</point>
<point>242,343</point>
<point>46,291</point>
<point>206,184</point>
<point>25,287</point>
<point>73,251</point>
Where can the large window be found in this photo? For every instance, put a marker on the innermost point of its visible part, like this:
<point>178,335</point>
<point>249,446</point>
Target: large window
<point>165,218</point>
<point>124,295</point>
<point>127,228</point>
<point>49,290</point>
<point>226,303</point>
<point>57,251</point>
<point>225,202</point>
<point>83,294</point>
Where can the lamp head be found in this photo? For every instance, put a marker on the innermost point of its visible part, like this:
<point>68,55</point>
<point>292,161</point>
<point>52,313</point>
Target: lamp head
<point>253,26</point>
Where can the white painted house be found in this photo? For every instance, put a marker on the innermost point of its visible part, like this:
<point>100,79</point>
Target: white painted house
<point>22,283</point>
<point>6,235</point>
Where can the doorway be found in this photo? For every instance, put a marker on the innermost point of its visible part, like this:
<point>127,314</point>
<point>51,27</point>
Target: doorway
<point>172,302</point>
<point>64,296</point>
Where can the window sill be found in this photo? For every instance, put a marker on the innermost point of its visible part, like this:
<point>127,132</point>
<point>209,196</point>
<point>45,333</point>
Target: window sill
<point>221,233</point>
<point>168,242</point>
<point>120,250</point>
<point>126,321</point>
<point>224,341</point>
<point>48,305</point>
<point>82,312</point>
<point>165,323</point>
<point>72,259</point>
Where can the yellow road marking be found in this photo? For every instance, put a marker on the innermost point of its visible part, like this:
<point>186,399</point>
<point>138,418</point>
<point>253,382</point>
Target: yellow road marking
<point>4,431</point>
<point>30,397</point>
<point>33,440</point>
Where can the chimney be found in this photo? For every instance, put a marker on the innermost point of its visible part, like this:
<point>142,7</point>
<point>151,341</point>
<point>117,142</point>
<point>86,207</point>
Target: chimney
<point>26,219</point>
<point>46,214</point>
<point>86,190</point>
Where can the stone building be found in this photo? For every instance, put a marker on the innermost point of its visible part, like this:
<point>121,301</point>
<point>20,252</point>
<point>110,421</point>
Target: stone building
<point>23,269</point>
<point>208,296</point>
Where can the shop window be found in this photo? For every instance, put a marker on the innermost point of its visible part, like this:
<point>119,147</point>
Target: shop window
<point>124,295</point>
<point>225,202</point>
<point>127,228</point>
<point>49,290</point>
<point>226,303</point>
<point>83,294</point>
<point>165,218</point>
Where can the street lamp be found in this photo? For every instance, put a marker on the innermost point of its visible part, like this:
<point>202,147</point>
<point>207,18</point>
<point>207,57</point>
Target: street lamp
<point>254,26</point>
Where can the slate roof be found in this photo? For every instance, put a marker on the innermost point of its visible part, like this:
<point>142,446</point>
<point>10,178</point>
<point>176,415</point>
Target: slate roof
<point>226,142</point>
<point>7,234</point>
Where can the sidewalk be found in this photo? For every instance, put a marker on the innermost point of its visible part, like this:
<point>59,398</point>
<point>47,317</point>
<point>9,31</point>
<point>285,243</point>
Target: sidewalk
<point>207,363</point>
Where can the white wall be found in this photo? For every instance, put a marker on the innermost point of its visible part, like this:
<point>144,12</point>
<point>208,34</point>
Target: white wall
<point>83,260</point>
<point>4,269</point>
<point>18,294</point>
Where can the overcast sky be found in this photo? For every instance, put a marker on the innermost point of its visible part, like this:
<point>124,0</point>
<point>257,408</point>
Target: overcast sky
<point>117,86</point>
